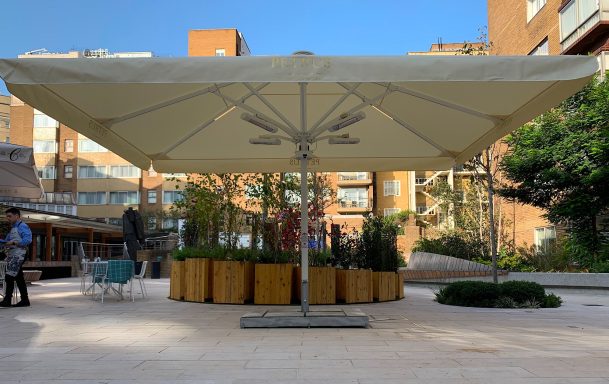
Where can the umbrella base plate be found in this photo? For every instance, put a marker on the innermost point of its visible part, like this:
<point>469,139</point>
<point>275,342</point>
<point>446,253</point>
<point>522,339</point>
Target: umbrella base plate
<point>334,318</point>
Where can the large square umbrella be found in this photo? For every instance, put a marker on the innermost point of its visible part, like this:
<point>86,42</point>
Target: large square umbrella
<point>18,174</point>
<point>208,114</point>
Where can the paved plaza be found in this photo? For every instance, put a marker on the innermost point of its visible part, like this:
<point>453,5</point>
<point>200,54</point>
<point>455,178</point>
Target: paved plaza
<point>67,338</point>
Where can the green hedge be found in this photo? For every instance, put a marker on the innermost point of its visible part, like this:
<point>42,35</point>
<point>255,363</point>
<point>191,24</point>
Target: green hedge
<point>510,294</point>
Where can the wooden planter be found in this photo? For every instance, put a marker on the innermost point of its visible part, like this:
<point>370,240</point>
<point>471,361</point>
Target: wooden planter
<point>177,282</point>
<point>273,284</point>
<point>384,285</point>
<point>233,282</point>
<point>354,285</point>
<point>399,285</point>
<point>322,285</point>
<point>199,280</point>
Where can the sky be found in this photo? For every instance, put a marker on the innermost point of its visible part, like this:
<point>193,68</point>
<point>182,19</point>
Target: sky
<point>330,27</point>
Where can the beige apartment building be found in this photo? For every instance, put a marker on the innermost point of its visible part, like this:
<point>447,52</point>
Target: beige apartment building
<point>545,27</point>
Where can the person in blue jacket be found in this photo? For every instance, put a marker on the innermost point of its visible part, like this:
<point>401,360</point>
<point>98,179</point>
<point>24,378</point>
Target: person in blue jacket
<point>16,243</point>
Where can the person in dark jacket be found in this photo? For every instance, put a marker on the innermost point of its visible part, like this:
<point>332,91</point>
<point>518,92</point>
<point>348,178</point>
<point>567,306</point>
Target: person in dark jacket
<point>133,231</point>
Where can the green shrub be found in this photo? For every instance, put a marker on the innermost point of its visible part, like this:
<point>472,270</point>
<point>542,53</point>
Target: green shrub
<point>600,267</point>
<point>510,294</point>
<point>453,244</point>
<point>469,294</point>
<point>522,291</point>
<point>551,301</point>
<point>530,303</point>
<point>505,302</point>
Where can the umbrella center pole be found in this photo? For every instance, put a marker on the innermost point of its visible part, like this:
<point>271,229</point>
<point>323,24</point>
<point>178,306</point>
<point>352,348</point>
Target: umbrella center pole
<point>303,156</point>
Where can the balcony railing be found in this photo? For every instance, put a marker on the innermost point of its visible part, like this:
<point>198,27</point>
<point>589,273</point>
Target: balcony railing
<point>55,202</point>
<point>580,16</point>
<point>361,203</point>
<point>352,176</point>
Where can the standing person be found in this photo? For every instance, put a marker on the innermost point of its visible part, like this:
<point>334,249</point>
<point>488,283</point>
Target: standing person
<point>17,242</point>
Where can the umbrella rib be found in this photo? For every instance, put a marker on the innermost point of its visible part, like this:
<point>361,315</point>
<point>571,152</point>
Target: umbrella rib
<point>92,120</point>
<point>194,132</point>
<point>270,106</point>
<point>404,124</point>
<point>229,107</point>
<point>445,103</point>
<point>332,109</point>
<point>109,123</point>
<point>366,103</point>
<point>241,104</point>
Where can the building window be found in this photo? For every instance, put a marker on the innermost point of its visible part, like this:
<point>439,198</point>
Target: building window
<point>152,223</point>
<point>353,197</point>
<point>44,146</point>
<point>92,172</point>
<point>169,223</point>
<point>152,196</point>
<point>124,197</point>
<point>115,221</point>
<point>67,171</point>
<point>542,49</point>
<point>545,238</point>
<point>575,14</point>
<point>533,7</point>
<point>391,211</point>
<point>170,197</point>
<point>86,145</point>
<point>125,171</point>
<point>43,121</point>
<point>47,172</point>
<point>220,52</point>
<point>91,198</point>
<point>68,145</point>
<point>391,188</point>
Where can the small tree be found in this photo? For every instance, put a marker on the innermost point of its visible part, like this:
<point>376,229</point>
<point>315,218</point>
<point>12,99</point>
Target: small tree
<point>560,162</point>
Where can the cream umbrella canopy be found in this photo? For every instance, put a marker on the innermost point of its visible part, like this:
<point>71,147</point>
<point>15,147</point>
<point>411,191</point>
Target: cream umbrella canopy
<point>207,114</point>
<point>18,174</point>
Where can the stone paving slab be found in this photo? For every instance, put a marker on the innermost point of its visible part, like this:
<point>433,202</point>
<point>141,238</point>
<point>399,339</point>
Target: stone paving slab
<point>67,338</point>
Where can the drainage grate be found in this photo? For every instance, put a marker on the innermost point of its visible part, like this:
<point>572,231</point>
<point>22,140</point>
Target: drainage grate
<point>593,305</point>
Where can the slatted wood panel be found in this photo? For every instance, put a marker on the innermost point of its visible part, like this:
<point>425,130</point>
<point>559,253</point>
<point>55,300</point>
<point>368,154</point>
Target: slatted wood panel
<point>322,285</point>
<point>177,283</point>
<point>399,285</point>
<point>233,282</point>
<point>273,284</point>
<point>199,279</point>
<point>354,285</point>
<point>384,286</point>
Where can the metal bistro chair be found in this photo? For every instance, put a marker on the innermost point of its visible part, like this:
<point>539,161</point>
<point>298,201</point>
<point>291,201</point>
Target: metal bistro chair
<point>3,265</point>
<point>140,277</point>
<point>98,272</point>
<point>119,272</point>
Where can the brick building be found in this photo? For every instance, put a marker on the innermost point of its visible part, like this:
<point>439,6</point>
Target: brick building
<point>545,27</point>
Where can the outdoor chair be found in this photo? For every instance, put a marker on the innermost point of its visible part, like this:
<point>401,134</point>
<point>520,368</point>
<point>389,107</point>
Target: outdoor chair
<point>140,277</point>
<point>98,272</point>
<point>84,272</point>
<point>118,272</point>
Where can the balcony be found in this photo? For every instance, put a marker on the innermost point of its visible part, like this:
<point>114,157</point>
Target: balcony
<point>582,22</point>
<point>352,179</point>
<point>54,202</point>
<point>354,206</point>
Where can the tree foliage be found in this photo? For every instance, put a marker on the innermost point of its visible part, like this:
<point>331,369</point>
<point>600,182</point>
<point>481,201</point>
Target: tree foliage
<point>560,162</point>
